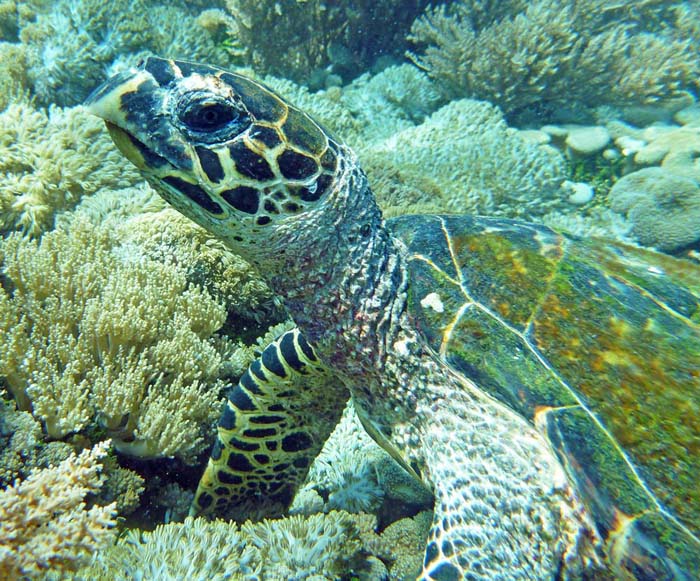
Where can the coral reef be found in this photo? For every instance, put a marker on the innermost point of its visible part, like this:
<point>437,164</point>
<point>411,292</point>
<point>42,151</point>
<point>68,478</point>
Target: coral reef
<point>97,334</point>
<point>167,236</point>
<point>355,475</point>
<point>536,57</point>
<point>371,108</point>
<point>663,207</point>
<point>45,523</point>
<point>400,545</point>
<point>13,73</point>
<point>476,162</point>
<point>20,440</point>
<point>464,158</point>
<point>597,220</point>
<point>50,160</point>
<point>324,546</point>
<point>121,486</point>
<point>676,149</point>
<point>70,44</point>
<point>345,470</point>
<point>300,40</point>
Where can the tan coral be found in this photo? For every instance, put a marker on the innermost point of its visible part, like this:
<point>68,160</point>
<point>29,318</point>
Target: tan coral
<point>45,523</point>
<point>548,53</point>
<point>97,334</point>
<point>168,236</point>
<point>49,161</point>
<point>662,206</point>
<point>676,149</point>
<point>322,546</point>
<point>496,172</point>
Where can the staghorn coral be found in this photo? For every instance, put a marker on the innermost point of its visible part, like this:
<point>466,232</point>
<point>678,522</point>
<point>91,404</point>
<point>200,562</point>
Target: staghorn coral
<point>464,158</point>
<point>548,54</point>
<point>45,523</point>
<point>49,161</point>
<point>296,39</point>
<point>324,546</point>
<point>97,334</point>
<point>662,206</point>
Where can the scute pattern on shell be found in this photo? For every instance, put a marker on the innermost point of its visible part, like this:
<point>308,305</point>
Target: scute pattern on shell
<point>597,343</point>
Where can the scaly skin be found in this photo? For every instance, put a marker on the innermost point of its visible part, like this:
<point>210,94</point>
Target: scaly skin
<point>503,507</point>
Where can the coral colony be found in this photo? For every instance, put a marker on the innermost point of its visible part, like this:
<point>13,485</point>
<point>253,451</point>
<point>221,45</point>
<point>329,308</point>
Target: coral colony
<point>123,324</point>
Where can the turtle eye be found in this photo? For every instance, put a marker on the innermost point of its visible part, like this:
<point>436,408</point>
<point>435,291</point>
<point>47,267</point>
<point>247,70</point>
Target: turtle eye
<point>208,116</point>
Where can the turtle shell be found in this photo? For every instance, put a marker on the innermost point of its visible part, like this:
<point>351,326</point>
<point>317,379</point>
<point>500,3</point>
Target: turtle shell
<point>597,344</point>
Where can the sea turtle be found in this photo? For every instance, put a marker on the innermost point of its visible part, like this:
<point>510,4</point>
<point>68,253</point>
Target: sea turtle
<point>545,388</point>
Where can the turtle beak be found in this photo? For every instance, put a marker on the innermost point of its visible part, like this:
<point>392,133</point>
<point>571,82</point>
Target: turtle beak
<point>131,105</point>
<point>106,102</point>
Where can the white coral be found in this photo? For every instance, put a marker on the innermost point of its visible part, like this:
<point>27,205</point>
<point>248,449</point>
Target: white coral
<point>45,524</point>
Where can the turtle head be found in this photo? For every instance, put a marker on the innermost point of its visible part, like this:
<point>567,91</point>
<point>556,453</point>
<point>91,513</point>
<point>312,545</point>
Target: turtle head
<point>223,149</point>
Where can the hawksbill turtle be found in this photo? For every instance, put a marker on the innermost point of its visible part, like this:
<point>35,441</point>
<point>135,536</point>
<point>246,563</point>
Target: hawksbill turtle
<point>545,388</point>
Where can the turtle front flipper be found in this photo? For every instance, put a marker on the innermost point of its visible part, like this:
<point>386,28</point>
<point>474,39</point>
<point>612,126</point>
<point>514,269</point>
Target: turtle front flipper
<point>273,425</point>
<point>503,508</point>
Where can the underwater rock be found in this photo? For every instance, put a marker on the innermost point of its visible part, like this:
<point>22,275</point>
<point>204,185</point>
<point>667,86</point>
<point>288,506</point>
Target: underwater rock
<point>580,193</point>
<point>585,141</point>
<point>674,148</point>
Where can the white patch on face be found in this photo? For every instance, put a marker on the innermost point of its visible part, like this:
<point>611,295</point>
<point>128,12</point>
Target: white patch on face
<point>433,301</point>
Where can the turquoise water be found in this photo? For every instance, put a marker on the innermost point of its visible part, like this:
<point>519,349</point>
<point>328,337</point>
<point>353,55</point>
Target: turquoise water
<point>124,324</point>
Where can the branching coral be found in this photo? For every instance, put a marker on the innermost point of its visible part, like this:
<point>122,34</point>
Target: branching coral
<point>49,161</point>
<point>98,334</point>
<point>356,475</point>
<point>464,158</point>
<point>296,39</point>
<point>72,43</point>
<point>167,236</point>
<point>323,546</point>
<point>546,54</point>
<point>45,523</point>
